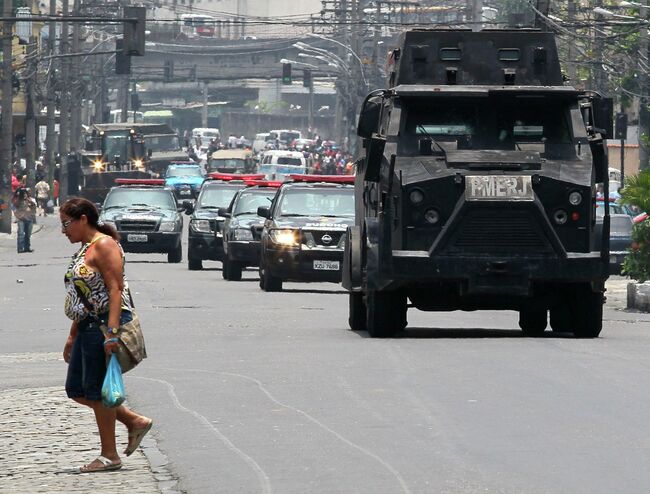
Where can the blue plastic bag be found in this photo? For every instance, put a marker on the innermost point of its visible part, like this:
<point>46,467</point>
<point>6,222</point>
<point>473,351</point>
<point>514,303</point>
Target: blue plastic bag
<point>113,393</point>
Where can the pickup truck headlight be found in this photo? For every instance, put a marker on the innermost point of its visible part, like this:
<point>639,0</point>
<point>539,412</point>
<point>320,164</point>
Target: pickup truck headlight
<point>167,226</point>
<point>242,234</point>
<point>109,223</point>
<point>284,237</point>
<point>202,226</point>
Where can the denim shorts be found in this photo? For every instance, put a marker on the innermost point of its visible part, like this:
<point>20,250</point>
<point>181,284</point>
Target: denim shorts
<point>87,366</point>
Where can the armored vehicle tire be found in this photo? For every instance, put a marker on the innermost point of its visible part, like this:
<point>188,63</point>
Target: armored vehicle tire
<point>357,312</point>
<point>587,314</point>
<point>560,319</point>
<point>175,256</point>
<point>224,269</point>
<point>532,321</point>
<point>231,269</point>
<point>194,264</point>
<point>385,313</point>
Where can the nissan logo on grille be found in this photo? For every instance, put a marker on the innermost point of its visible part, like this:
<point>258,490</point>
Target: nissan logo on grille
<point>326,239</point>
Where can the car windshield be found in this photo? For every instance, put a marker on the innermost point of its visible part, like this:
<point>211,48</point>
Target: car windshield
<point>286,160</point>
<point>236,163</point>
<point>613,209</point>
<point>219,197</point>
<point>248,202</point>
<point>115,145</point>
<point>184,171</point>
<point>288,136</point>
<point>317,202</point>
<point>162,143</point>
<point>156,198</point>
<point>499,122</point>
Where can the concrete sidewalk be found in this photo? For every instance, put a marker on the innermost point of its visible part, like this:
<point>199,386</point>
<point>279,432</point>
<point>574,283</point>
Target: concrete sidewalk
<point>45,437</point>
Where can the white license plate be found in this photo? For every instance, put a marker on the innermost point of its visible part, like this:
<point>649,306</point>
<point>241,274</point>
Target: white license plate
<point>185,192</point>
<point>327,265</point>
<point>498,188</point>
<point>132,237</point>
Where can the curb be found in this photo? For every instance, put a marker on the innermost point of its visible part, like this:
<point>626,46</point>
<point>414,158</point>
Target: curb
<point>638,296</point>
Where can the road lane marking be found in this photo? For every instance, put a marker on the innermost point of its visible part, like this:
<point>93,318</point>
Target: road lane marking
<point>263,477</point>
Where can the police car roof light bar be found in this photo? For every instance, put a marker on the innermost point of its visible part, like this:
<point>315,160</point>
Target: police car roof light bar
<point>335,179</point>
<point>139,181</point>
<point>263,183</point>
<point>236,176</point>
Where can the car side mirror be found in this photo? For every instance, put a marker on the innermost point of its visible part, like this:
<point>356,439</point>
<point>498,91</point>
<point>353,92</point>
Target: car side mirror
<point>224,213</point>
<point>603,116</point>
<point>264,212</point>
<point>98,205</point>
<point>369,116</point>
<point>188,207</point>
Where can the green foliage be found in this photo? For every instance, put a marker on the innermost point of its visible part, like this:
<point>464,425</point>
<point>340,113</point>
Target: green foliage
<point>637,190</point>
<point>637,262</point>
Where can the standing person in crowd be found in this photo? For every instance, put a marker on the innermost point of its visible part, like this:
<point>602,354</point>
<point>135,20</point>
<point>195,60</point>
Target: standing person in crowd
<point>25,213</point>
<point>42,195</point>
<point>96,293</point>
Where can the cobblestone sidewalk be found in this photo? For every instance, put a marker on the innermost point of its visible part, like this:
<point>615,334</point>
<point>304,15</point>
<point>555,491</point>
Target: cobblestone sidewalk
<point>44,436</point>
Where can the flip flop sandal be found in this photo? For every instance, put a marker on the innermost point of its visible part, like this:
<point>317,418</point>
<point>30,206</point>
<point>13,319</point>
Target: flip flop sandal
<point>107,466</point>
<point>135,438</point>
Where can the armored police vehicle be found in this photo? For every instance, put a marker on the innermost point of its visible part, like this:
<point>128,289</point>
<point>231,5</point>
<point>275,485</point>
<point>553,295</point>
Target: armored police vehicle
<point>477,190</point>
<point>147,217</point>
<point>304,231</point>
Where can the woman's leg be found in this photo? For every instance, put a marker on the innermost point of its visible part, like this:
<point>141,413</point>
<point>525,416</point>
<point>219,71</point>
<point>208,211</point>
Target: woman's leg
<point>128,417</point>
<point>105,418</point>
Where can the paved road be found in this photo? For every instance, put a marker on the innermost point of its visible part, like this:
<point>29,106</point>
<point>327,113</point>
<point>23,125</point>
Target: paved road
<point>271,393</point>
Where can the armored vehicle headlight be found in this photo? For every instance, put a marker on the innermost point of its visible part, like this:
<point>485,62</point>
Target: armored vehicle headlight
<point>242,234</point>
<point>284,237</point>
<point>431,216</point>
<point>575,198</point>
<point>167,226</point>
<point>560,217</point>
<point>416,196</point>
<point>201,226</point>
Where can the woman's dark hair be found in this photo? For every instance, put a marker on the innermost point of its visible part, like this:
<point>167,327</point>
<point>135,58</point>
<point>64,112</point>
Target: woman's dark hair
<point>76,207</point>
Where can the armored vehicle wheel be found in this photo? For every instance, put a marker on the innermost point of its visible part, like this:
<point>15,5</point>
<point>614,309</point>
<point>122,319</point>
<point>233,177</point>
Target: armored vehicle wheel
<point>532,321</point>
<point>175,256</point>
<point>385,313</point>
<point>357,312</point>
<point>560,318</point>
<point>588,313</point>
<point>194,264</point>
<point>234,269</point>
<point>224,269</point>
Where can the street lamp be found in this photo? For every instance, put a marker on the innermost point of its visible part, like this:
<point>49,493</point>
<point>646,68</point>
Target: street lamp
<point>348,48</point>
<point>609,13</point>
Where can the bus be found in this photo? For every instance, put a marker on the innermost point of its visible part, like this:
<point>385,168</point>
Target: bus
<point>198,25</point>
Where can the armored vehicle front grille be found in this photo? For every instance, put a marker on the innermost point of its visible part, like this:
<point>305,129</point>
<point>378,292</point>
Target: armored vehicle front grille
<point>137,225</point>
<point>257,232</point>
<point>499,231</point>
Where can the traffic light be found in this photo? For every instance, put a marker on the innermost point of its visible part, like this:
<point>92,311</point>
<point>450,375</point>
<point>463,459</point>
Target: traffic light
<point>122,61</point>
<point>286,74</point>
<point>621,126</point>
<point>306,78</point>
<point>168,75</point>
<point>135,101</point>
<point>134,31</point>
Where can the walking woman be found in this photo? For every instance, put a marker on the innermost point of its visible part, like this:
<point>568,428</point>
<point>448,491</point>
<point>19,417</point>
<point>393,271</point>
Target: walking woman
<point>96,291</point>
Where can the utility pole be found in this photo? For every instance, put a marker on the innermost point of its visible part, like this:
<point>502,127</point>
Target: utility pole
<point>204,109</point>
<point>644,114</point>
<point>571,51</point>
<point>64,111</point>
<point>30,115</point>
<point>75,81</point>
<point>50,137</point>
<point>6,136</point>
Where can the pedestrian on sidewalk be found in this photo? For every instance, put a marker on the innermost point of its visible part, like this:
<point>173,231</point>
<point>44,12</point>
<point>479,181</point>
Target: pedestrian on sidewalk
<point>25,213</point>
<point>42,195</point>
<point>96,293</point>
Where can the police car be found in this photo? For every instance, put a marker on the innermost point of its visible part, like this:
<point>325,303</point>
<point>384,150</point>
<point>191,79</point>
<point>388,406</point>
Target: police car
<point>242,229</point>
<point>304,232</point>
<point>147,217</point>
<point>205,233</point>
<point>185,179</point>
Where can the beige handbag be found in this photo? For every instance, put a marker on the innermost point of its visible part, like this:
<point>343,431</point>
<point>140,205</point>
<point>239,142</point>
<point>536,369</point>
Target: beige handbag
<point>131,349</point>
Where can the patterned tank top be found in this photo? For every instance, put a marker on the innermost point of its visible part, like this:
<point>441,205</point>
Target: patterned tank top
<point>85,291</point>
